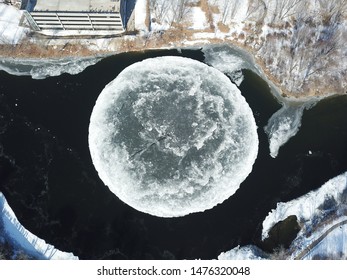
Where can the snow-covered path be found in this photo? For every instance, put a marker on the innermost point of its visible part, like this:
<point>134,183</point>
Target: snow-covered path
<point>336,234</point>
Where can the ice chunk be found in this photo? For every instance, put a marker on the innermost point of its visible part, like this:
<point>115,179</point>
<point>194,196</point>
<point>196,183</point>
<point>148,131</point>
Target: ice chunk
<point>43,68</point>
<point>172,136</point>
<point>285,123</point>
<point>228,60</point>
<point>282,126</point>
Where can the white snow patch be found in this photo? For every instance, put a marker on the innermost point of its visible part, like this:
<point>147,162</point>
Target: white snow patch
<point>230,11</point>
<point>199,20</point>
<point>10,31</point>
<point>195,42</point>
<point>249,252</point>
<point>25,240</point>
<point>156,27</point>
<point>333,246</point>
<point>140,15</point>
<point>204,35</point>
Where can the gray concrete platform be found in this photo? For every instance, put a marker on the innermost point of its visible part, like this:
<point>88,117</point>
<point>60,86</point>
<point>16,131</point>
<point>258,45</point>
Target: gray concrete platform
<point>78,5</point>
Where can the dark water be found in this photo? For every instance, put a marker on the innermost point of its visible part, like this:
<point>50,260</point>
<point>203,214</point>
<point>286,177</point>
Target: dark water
<point>48,178</point>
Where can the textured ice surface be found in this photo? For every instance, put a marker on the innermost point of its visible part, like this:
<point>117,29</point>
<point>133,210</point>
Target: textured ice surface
<point>285,124</point>
<point>227,60</point>
<point>172,136</point>
<point>282,126</point>
<point>43,68</point>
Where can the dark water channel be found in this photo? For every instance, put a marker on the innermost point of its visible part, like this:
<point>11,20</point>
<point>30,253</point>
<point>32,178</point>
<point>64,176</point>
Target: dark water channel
<point>48,178</point>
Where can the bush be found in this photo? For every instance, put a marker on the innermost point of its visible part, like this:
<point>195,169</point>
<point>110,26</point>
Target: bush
<point>280,253</point>
<point>329,203</point>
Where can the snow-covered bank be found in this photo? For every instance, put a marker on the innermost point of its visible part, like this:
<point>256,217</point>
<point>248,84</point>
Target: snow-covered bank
<point>43,68</point>
<point>304,53</point>
<point>309,206</point>
<point>318,212</point>
<point>24,240</point>
<point>249,252</point>
<point>322,216</point>
<point>333,246</point>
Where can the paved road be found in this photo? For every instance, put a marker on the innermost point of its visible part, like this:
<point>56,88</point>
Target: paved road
<point>318,240</point>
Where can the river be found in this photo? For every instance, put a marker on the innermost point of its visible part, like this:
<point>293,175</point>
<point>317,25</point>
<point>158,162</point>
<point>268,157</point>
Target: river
<point>48,178</point>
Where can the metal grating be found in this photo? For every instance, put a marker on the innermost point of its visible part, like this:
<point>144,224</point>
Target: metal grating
<point>78,21</point>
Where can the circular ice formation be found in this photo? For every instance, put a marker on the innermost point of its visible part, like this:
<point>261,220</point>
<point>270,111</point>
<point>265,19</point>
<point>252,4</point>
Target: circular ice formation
<point>172,136</point>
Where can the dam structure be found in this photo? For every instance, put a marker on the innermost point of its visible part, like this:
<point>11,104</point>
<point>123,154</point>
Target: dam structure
<point>76,17</point>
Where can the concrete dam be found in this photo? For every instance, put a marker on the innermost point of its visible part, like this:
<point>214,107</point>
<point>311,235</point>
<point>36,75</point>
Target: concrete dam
<point>63,17</point>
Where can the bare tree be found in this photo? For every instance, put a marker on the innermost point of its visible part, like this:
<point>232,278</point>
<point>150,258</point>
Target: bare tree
<point>256,10</point>
<point>173,11</point>
<point>327,41</point>
<point>159,9</point>
<point>179,10</point>
<point>229,9</point>
<point>285,9</point>
<point>332,7</point>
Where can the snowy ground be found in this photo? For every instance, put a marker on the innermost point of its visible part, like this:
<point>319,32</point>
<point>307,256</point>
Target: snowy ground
<point>333,246</point>
<point>314,212</point>
<point>242,253</point>
<point>309,206</point>
<point>10,31</point>
<point>140,15</point>
<point>24,239</point>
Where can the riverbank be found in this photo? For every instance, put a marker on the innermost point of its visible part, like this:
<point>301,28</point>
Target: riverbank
<point>319,227</point>
<point>87,48</point>
<point>276,47</point>
<point>25,244</point>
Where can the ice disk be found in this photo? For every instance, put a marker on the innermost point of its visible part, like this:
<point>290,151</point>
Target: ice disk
<point>172,136</point>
